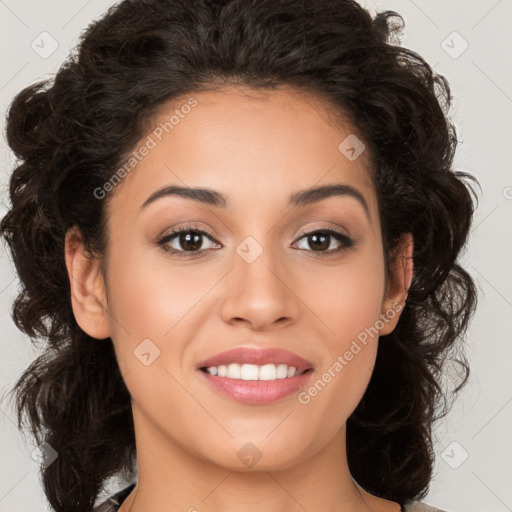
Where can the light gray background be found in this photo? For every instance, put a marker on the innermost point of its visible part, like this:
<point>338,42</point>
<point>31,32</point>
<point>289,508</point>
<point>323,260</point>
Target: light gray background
<point>479,425</point>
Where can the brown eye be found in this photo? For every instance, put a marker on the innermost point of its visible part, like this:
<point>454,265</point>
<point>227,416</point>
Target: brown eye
<point>191,241</point>
<point>325,240</point>
<point>186,240</point>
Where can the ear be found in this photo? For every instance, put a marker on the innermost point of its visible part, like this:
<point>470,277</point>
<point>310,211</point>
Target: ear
<point>398,284</point>
<point>88,292</point>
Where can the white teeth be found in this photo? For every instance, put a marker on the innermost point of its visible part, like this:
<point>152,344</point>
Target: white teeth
<point>282,371</point>
<point>233,371</point>
<point>268,372</point>
<point>253,371</point>
<point>248,372</point>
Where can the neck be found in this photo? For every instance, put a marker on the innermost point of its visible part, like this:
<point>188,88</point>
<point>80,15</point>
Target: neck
<point>170,479</point>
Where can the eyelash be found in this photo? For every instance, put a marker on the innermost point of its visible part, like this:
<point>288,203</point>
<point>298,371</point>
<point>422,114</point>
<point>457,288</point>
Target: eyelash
<point>346,242</point>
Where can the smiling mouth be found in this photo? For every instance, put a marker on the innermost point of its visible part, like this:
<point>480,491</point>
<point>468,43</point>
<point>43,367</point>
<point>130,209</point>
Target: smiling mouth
<point>254,372</point>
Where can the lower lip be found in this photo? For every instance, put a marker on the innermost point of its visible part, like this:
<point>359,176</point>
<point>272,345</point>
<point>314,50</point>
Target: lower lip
<point>257,391</point>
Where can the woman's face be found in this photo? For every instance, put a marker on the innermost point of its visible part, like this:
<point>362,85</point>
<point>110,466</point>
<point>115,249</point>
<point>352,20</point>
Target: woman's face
<point>251,279</point>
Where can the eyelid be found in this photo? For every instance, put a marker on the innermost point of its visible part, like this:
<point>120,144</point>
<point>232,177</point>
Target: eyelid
<point>338,230</point>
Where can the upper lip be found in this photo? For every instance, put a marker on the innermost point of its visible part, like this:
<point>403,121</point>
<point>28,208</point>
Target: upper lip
<point>244,355</point>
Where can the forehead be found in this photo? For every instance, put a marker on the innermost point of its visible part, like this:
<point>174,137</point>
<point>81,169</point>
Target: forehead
<point>249,145</point>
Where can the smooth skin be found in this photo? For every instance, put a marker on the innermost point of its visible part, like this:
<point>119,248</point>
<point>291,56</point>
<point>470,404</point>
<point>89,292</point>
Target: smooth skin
<point>256,149</point>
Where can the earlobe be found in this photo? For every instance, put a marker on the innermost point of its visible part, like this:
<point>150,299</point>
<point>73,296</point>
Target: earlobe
<point>402,270</point>
<point>87,287</point>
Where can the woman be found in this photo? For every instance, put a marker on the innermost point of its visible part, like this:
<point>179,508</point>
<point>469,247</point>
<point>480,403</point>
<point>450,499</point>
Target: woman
<point>240,240</point>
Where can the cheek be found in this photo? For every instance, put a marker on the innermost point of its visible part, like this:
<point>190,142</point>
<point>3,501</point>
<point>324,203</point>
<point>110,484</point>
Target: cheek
<point>156,310</point>
<point>348,302</point>
<point>153,315</point>
<point>149,296</point>
<point>348,297</point>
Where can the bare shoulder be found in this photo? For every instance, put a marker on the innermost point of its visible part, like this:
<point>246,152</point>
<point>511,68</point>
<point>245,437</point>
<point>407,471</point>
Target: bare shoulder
<point>418,506</point>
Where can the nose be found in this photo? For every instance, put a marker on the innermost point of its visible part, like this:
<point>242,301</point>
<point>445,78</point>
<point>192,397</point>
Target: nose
<point>259,294</point>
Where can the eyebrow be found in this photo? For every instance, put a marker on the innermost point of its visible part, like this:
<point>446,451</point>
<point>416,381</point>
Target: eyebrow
<point>302,197</point>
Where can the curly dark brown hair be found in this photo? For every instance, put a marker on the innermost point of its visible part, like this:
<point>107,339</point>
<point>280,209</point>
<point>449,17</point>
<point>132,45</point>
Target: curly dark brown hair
<point>70,134</point>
